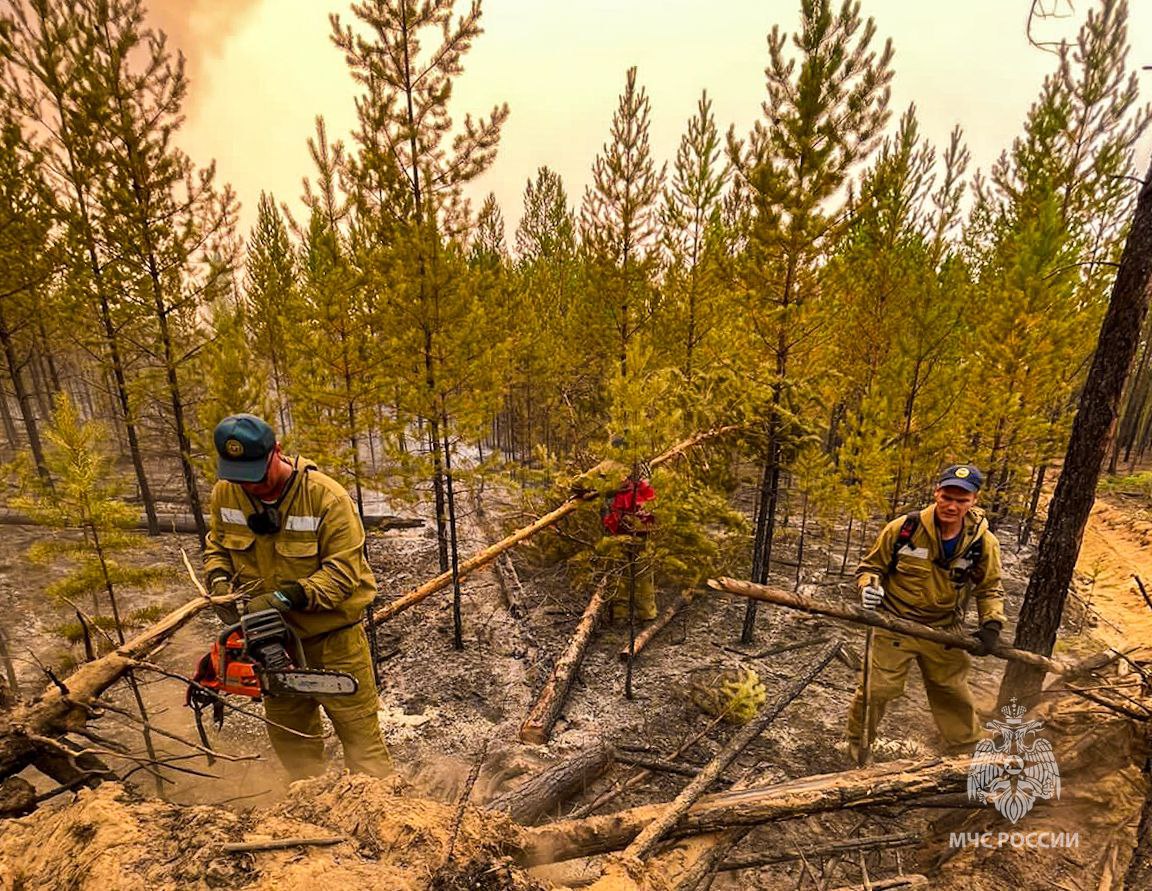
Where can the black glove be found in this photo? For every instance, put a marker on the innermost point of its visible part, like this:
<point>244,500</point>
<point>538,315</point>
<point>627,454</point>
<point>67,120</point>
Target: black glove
<point>261,602</point>
<point>289,595</point>
<point>988,636</point>
<point>220,585</point>
<point>294,591</point>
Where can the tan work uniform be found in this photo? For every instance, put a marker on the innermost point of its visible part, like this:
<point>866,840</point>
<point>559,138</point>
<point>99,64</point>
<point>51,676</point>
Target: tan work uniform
<point>923,588</point>
<point>320,545</point>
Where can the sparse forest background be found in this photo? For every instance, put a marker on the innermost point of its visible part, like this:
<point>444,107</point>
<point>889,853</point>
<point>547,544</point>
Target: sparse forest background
<point>863,304</point>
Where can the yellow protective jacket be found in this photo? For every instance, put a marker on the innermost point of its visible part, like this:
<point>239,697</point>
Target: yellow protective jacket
<point>922,587</point>
<point>320,545</point>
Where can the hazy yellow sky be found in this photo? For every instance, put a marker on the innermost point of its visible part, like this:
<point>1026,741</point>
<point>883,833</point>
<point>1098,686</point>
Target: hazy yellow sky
<point>560,66</point>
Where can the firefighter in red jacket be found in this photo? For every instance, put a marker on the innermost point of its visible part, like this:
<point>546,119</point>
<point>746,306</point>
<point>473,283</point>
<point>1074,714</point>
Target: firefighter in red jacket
<point>626,521</point>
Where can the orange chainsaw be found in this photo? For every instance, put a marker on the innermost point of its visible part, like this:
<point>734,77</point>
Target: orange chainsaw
<point>258,656</point>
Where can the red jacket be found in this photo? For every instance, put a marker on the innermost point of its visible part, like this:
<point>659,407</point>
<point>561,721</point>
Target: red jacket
<point>625,513</point>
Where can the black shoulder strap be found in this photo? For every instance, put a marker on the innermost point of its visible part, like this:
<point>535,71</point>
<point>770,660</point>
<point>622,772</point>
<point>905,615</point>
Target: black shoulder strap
<point>907,530</point>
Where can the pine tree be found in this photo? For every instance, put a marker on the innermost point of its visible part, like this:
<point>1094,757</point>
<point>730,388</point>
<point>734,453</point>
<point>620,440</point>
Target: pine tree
<point>898,300</point>
<point>157,209</point>
<point>84,497</point>
<point>26,266</point>
<point>335,376</point>
<point>1055,208</point>
<point>409,172</point>
<point>553,384</point>
<point>689,216</point>
<point>619,220</point>
<point>822,116</point>
<point>54,85</point>
<point>270,289</point>
<point>489,246</point>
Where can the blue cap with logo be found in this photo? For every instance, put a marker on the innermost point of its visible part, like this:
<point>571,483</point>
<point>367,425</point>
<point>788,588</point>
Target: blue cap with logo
<point>243,444</point>
<point>962,476</point>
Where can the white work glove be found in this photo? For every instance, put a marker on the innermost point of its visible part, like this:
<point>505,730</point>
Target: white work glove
<point>870,596</point>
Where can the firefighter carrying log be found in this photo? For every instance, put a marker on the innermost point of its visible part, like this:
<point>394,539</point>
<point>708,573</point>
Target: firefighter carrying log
<point>291,533</point>
<point>926,566</point>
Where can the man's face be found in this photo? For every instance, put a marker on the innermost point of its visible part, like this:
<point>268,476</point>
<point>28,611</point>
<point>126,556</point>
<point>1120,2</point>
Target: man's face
<point>269,487</point>
<point>953,503</point>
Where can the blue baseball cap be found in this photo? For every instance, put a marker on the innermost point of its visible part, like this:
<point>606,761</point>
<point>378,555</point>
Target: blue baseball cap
<point>962,476</point>
<point>243,444</point>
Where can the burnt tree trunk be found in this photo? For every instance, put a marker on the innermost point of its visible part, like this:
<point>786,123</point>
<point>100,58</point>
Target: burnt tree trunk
<point>542,795</point>
<point>24,398</point>
<point>1091,430</point>
<point>881,784</point>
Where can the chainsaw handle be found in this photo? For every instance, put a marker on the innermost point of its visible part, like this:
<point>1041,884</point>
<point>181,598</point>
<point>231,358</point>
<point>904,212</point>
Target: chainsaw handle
<point>222,637</point>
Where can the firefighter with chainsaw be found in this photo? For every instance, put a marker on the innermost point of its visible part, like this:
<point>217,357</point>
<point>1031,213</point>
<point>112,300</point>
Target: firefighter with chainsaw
<point>284,530</point>
<point>925,567</point>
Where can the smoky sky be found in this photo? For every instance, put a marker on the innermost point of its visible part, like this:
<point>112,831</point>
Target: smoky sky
<point>199,29</point>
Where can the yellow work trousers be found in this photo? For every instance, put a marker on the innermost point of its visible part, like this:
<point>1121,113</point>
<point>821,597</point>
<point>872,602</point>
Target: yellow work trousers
<point>353,717</point>
<point>945,673</point>
<point>645,593</point>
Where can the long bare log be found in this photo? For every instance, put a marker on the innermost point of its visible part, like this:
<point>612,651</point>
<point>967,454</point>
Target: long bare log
<point>887,621</point>
<point>487,555</point>
<point>885,783</point>
<point>895,883</point>
<point>546,791</point>
<point>537,727</point>
<point>651,835</point>
<point>683,599</point>
<point>61,710</point>
<point>830,849</point>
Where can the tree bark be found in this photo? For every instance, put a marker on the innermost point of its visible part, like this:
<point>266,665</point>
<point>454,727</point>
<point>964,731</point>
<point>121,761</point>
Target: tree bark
<point>543,794</point>
<point>1087,446</point>
<point>23,398</point>
<point>886,783</point>
<point>537,727</point>
<point>877,619</point>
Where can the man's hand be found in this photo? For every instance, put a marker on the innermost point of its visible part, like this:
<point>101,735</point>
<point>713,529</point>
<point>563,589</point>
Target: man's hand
<point>988,636</point>
<point>289,595</point>
<point>871,595</point>
<point>261,602</point>
<point>220,585</point>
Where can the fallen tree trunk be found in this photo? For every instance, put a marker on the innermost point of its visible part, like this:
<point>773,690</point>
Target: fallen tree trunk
<point>895,883</point>
<point>683,599</point>
<point>537,727</point>
<point>657,765</point>
<point>651,835</point>
<point>831,849</point>
<point>546,791</point>
<point>880,784</point>
<point>487,555</point>
<point>888,622</point>
<point>28,730</point>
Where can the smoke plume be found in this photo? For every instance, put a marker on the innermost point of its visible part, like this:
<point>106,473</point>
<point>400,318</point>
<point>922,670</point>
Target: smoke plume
<point>199,29</point>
